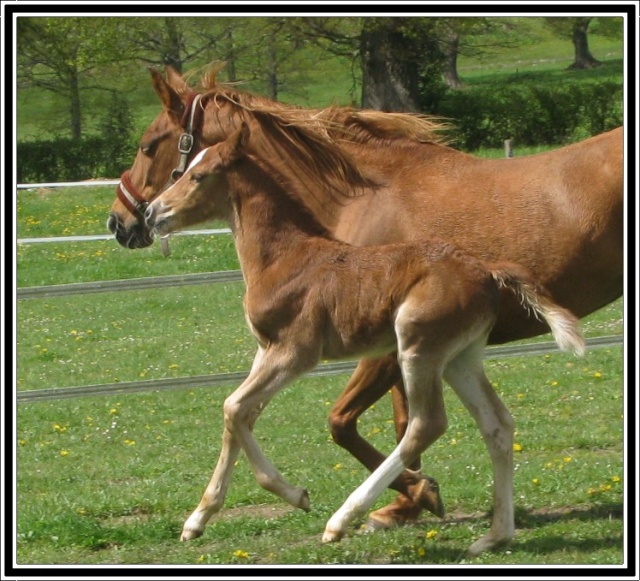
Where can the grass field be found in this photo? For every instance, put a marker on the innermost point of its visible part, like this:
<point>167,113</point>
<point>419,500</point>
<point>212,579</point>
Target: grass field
<point>109,480</point>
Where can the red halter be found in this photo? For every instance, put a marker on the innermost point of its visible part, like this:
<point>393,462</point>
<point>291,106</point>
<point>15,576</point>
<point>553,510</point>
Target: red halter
<point>191,120</point>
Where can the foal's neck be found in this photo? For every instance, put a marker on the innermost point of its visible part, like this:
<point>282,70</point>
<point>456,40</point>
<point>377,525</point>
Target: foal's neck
<point>268,223</point>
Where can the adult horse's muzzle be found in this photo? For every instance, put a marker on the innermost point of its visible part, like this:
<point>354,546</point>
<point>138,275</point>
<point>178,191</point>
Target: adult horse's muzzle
<point>134,236</point>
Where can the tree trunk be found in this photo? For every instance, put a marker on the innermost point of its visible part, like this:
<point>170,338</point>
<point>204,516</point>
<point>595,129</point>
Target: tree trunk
<point>172,46</point>
<point>230,56</point>
<point>272,68</point>
<point>75,109</point>
<point>387,82</point>
<point>583,57</point>
<point>451,47</point>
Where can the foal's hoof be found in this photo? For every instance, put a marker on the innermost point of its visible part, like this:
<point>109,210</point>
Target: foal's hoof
<point>331,536</point>
<point>190,534</point>
<point>488,543</point>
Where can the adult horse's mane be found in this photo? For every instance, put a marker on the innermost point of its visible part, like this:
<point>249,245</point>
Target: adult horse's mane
<point>361,126</point>
<point>308,141</point>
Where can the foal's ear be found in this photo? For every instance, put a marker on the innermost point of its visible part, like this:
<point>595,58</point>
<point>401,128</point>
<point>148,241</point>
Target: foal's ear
<point>234,148</point>
<point>168,95</point>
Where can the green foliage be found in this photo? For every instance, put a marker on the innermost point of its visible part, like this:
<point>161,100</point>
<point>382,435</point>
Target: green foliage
<point>64,159</point>
<point>532,115</point>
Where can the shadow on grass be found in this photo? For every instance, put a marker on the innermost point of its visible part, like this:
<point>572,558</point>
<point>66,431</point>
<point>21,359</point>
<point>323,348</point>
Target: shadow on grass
<point>545,544</point>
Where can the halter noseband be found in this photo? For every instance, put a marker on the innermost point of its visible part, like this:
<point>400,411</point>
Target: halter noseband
<point>192,117</point>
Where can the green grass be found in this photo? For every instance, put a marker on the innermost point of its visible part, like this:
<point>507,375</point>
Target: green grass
<point>110,479</point>
<point>156,452</point>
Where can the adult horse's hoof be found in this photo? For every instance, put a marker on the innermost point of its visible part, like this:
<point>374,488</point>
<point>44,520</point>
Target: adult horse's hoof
<point>403,510</point>
<point>426,493</point>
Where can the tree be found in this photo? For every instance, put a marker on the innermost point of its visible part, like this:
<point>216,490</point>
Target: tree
<point>174,41</point>
<point>59,55</point>
<point>400,58</point>
<point>577,29</point>
<point>475,36</point>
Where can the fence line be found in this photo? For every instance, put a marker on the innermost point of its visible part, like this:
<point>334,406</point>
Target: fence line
<point>83,184</point>
<point>92,237</point>
<point>79,288</point>
<point>58,393</point>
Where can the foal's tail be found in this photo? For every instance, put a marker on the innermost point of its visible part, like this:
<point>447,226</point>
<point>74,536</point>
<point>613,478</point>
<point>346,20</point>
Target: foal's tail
<point>535,298</point>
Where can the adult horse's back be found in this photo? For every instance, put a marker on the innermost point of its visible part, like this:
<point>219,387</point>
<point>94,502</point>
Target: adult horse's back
<point>559,213</point>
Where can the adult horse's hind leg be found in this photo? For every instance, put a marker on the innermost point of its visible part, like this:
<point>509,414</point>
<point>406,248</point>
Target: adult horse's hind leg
<point>466,376</point>
<point>370,381</point>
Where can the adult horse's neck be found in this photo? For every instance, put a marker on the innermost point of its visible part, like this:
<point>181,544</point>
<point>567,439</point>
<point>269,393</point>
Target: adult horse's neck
<point>268,223</point>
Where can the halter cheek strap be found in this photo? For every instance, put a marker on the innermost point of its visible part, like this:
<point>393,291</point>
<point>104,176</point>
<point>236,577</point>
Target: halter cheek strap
<point>192,117</point>
<point>185,143</point>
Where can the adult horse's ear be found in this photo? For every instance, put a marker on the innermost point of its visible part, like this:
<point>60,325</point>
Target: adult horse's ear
<point>168,95</point>
<point>234,147</point>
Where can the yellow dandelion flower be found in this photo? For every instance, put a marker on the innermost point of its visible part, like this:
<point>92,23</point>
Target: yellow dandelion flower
<point>173,366</point>
<point>431,534</point>
<point>616,479</point>
<point>130,442</point>
<point>422,551</point>
<point>337,466</point>
<point>517,447</point>
<point>64,453</point>
<point>240,554</point>
<point>554,383</point>
<point>567,459</point>
<point>591,491</point>
<point>113,411</point>
<point>535,481</point>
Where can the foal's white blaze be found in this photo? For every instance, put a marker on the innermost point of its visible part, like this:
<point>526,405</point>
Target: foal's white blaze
<point>197,159</point>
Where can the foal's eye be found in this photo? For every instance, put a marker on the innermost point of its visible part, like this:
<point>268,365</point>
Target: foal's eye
<point>197,177</point>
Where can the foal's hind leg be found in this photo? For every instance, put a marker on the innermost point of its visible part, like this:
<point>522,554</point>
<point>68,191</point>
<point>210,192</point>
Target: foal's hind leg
<point>427,422</point>
<point>370,381</point>
<point>466,376</point>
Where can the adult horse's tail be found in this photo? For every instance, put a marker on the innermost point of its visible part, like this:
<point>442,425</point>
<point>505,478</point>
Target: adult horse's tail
<point>535,298</point>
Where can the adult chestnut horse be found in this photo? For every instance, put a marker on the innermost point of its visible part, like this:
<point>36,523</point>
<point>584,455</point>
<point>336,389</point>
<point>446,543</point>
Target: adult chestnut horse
<point>558,213</point>
<point>311,297</point>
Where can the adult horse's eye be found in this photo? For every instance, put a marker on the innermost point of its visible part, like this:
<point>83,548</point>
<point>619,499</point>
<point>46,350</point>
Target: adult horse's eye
<point>146,149</point>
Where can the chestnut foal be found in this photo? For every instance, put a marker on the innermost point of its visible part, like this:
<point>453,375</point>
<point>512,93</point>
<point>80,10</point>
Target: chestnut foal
<point>310,297</point>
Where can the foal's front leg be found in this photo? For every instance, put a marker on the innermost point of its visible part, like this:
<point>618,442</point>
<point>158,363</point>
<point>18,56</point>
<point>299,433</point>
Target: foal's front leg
<point>263,382</point>
<point>276,368</point>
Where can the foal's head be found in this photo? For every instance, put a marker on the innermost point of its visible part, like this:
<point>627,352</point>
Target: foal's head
<point>202,193</point>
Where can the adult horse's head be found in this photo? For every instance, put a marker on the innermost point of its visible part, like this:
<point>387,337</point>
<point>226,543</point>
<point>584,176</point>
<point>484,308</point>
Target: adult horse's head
<point>166,147</point>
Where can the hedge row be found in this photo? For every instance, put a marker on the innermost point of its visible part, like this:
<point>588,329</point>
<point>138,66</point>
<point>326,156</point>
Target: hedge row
<point>530,115</point>
<point>66,160</point>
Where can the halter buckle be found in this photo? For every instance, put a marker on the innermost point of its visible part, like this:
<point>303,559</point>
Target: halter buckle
<point>185,144</point>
